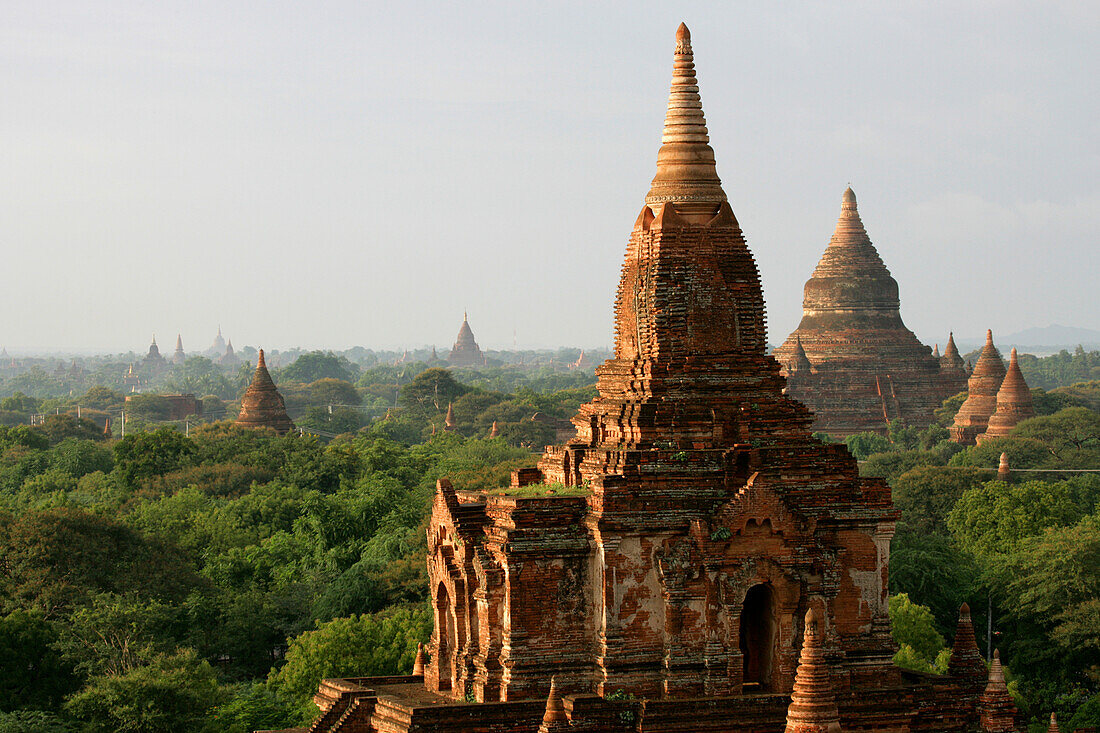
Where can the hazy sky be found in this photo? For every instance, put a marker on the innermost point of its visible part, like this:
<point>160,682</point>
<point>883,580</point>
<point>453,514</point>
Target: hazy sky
<point>327,174</point>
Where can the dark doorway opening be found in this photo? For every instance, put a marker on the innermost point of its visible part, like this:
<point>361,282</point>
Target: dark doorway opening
<point>758,633</point>
<point>443,615</point>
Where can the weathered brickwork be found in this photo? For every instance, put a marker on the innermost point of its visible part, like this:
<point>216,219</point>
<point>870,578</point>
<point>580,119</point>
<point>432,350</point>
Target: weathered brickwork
<point>851,360</point>
<point>655,573</point>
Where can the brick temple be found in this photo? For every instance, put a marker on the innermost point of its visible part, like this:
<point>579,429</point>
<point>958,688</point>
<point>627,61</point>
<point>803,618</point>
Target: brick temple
<point>262,406</point>
<point>668,567</point>
<point>851,360</point>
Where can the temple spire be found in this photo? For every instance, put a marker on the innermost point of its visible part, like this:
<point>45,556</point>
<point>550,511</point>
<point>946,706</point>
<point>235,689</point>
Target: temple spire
<point>685,163</point>
<point>1054,724</point>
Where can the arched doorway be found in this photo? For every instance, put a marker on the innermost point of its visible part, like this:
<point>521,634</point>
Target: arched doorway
<point>442,629</point>
<point>758,634</point>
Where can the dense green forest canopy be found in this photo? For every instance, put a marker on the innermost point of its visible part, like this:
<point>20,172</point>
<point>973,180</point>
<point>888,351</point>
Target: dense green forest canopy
<point>203,577</point>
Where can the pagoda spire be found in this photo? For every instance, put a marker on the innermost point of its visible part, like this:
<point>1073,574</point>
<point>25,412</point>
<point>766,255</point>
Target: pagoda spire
<point>1003,470</point>
<point>813,704</point>
<point>686,170</point>
<point>1054,724</point>
<point>420,662</point>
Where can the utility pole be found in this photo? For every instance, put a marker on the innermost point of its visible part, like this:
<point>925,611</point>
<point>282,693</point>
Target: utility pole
<point>989,627</point>
<point>124,423</point>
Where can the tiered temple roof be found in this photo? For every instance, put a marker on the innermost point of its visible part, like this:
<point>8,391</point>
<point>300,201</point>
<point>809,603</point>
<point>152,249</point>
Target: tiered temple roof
<point>1013,402</point>
<point>868,369</point>
<point>465,351</point>
<point>972,419</point>
<point>262,406</point>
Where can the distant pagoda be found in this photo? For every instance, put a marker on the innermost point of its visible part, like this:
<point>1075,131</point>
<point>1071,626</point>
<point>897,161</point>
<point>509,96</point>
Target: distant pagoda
<point>466,351</point>
<point>972,419</point>
<point>852,360</point>
<point>262,406</point>
<point>229,358</point>
<point>218,347</point>
<point>153,360</point>
<point>179,356</point>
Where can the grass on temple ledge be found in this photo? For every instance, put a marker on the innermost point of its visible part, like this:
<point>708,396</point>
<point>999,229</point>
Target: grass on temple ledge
<point>532,490</point>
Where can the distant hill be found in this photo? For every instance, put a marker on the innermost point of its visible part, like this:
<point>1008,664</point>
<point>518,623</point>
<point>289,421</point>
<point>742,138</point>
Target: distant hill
<point>1054,336</point>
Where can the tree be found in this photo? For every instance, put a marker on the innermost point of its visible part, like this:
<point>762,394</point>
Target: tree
<point>921,646</point>
<point>863,445</point>
<point>34,721</point>
<point>892,464</point>
<point>316,365</point>
<point>175,693</point>
<point>990,521</point>
<point>54,559</point>
<point>945,414</point>
<point>101,398</point>
<point>1071,435</point>
<point>431,391</point>
<point>338,392</point>
<point>930,569</point>
<point>80,457</point>
<point>32,673</point>
<point>59,427</point>
<point>926,494</point>
<point>144,455</point>
<point>378,644</point>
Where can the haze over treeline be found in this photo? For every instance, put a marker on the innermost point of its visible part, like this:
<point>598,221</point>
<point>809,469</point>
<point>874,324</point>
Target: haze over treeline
<point>170,167</point>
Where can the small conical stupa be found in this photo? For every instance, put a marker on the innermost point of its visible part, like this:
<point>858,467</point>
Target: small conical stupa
<point>966,660</point>
<point>1053,727</point>
<point>1004,472</point>
<point>262,406</point>
<point>178,357</point>
<point>465,351</point>
<point>799,362</point>
<point>449,423</point>
<point>813,704</point>
<point>973,416</point>
<point>554,717</point>
<point>996,709</point>
<point>494,432</point>
<point>1013,402</point>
